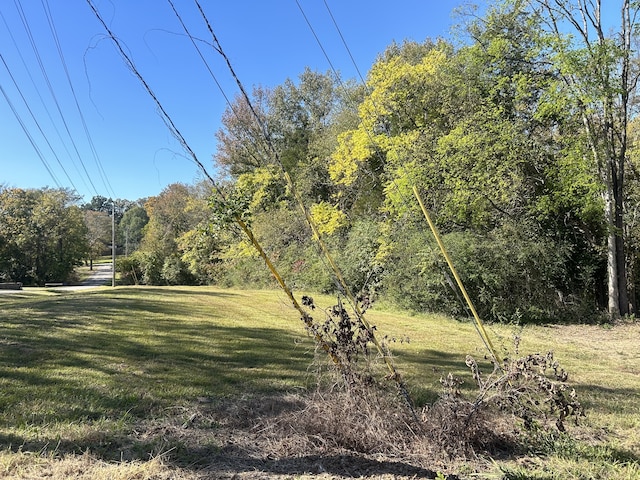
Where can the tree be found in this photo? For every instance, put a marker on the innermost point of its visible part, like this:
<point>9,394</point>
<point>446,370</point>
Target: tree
<point>474,128</point>
<point>99,226</point>
<point>177,210</point>
<point>599,76</point>
<point>99,203</point>
<point>131,228</point>
<point>43,235</point>
<point>297,119</point>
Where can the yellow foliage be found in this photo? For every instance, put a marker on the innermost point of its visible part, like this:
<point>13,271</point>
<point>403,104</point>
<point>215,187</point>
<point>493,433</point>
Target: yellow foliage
<point>264,185</point>
<point>327,218</point>
<point>399,94</point>
<point>353,148</point>
<point>242,249</point>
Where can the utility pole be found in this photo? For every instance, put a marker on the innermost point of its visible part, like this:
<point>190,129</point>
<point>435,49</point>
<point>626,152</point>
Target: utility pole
<point>113,243</point>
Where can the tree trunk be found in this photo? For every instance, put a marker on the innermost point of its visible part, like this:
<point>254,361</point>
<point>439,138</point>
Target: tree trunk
<point>613,293</point>
<point>621,258</point>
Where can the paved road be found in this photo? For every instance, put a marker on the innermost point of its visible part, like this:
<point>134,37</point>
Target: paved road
<point>101,276</point>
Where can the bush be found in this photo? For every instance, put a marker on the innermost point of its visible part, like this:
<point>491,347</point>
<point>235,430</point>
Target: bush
<point>129,269</point>
<point>175,272</point>
<point>151,267</point>
<point>512,274</point>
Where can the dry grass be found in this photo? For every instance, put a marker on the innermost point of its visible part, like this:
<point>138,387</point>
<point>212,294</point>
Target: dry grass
<point>27,465</point>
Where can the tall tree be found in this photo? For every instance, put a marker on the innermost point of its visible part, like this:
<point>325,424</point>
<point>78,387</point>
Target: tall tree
<point>131,228</point>
<point>598,73</point>
<point>178,209</point>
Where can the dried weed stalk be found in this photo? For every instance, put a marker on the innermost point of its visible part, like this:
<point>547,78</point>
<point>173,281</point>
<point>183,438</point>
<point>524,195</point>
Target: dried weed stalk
<point>350,342</point>
<point>357,418</point>
<point>530,389</point>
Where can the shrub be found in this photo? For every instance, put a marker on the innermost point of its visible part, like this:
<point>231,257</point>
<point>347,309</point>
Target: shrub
<point>175,272</point>
<point>129,269</point>
<point>511,274</point>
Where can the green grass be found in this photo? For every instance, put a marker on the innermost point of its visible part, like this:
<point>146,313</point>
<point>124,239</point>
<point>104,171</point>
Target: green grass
<point>76,359</point>
<point>80,370</point>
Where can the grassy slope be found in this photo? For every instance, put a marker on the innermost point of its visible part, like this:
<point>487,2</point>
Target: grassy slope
<point>77,370</point>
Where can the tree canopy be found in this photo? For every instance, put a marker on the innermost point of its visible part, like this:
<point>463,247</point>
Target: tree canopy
<point>520,137</point>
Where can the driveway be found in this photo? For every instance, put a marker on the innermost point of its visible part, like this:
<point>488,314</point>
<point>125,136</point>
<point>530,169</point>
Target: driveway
<point>101,276</point>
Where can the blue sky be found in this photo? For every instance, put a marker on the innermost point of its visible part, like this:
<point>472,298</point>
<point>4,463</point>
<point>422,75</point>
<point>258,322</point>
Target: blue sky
<point>122,148</point>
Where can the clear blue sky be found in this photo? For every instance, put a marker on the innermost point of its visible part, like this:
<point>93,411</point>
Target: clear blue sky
<point>267,42</point>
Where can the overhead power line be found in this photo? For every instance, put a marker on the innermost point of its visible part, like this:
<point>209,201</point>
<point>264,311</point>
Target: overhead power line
<point>100,168</point>
<point>35,120</point>
<point>42,102</point>
<point>45,75</point>
<point>33,143</point>
<point>214,77</point>
<point>163,113</point>
<point>344,42</point>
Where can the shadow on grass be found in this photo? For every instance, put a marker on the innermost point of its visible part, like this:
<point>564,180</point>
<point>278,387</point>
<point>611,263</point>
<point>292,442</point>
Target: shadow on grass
<point>90,356</point>
<point>161,291</point>
<point>432,365</point>
<point>223,462</point>
<point>349,466</point>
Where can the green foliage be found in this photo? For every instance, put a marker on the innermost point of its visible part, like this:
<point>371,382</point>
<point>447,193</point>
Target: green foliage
<point>151,264</point>
<point>175,249</point>
<point>175,272</point>
<point>130,228</point>
<point>200,254</point>
<point>98,233</point>
<point>42,235</point>
<point>356,257</point>
<point>512,274</point>
<point>129,269</point>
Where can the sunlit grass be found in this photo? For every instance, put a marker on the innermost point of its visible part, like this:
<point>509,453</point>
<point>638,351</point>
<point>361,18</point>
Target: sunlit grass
<point>80,370</point>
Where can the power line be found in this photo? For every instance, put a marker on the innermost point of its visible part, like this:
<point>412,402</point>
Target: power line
<point>213,76</point>
<point>101,172</point>
<point>35,121</point>
<point>163,113</point>
<point>33,143</point>
<point>44,105</point>
<point>25,24</point>
<point>344,42</point>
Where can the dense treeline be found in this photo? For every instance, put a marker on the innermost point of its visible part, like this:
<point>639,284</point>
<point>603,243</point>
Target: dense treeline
<point>520,140</point>
<point>515,139</point>
<point>45,233</point>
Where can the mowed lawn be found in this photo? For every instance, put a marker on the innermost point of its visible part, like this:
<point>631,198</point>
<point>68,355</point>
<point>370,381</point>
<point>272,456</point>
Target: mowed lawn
<point>79,370</point>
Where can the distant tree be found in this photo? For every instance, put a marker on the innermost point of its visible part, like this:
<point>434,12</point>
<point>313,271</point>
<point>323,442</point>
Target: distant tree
<point>42,235</point>
<point>177,210</point>
<point>98,233</point>
<point>131,228</point>
<point>99,203</point>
